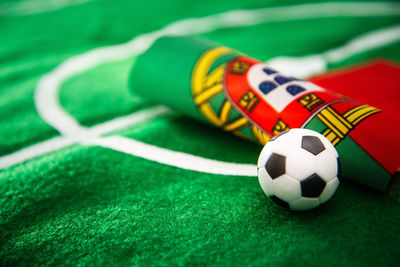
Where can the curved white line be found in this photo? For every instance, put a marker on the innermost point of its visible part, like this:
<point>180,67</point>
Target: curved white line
<point>48,106</point>
<point>46,96</point>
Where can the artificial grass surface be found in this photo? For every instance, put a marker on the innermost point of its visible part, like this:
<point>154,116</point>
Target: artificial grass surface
<point>94,206</point>
<point>89,205</point>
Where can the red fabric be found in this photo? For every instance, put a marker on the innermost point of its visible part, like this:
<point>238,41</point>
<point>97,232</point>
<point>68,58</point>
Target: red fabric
<point>263,113</point>
<point>376,83</point>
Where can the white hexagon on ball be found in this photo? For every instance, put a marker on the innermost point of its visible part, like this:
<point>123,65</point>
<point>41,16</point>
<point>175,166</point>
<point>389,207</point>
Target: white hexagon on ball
<point>298,169</point>
<point>326,166</point>
<point>300,164</point>
<point>285,144</point>
<point>286,188</point>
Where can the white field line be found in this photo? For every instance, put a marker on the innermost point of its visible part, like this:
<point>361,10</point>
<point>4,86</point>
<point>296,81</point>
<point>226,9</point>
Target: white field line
<point>174,158</point>
<point>29,7</point>
<point>306,66</point>
<point>49,108</point>
<point>62,141</point>
<point>36,150</point>
<point>365,42</point>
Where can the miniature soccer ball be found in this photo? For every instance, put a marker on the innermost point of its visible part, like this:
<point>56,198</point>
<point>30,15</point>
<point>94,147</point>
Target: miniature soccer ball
<point>299,169</point>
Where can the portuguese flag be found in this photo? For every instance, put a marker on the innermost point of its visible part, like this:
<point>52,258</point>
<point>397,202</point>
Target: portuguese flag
<point>355,108</point>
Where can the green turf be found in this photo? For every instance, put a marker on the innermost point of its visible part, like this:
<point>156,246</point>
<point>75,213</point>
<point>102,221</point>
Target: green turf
<point>87,205</point>
<point>109,211</point>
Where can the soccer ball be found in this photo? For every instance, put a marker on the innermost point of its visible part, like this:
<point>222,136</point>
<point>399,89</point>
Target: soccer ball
<point>298,169</point>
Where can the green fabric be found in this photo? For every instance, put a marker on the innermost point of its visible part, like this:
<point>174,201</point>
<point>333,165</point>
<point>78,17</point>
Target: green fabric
<point>372,173</point>
<point>89,205</point>
<point>166,80</point>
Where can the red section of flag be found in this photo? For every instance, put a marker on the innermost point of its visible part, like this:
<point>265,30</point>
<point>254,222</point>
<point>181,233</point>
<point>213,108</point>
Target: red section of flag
<point>295,110</point>
<point>236,87</point>
<point>375,83</point>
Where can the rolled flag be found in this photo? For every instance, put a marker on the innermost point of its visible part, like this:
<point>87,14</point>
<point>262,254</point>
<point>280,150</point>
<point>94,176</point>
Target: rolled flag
<point>242,95</point>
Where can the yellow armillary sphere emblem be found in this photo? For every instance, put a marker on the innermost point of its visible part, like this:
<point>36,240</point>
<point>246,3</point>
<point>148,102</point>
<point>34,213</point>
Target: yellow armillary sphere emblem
<point>209,97</point>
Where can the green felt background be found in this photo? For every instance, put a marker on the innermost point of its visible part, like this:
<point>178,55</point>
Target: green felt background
<point>89,205</point>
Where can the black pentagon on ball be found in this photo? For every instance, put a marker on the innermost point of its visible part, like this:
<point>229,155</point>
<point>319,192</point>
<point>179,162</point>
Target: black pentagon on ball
<point>312,186</point>
<point>276,165</point>
<point>312,144</point>
<point>279,201</point>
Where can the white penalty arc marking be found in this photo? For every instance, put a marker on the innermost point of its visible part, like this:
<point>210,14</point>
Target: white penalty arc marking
<point>49,108</point>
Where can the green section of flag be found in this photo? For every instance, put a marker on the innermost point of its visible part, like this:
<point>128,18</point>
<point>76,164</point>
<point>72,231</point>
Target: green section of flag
<point>163,74</point>
<point>356,163</point>
<point>217,101</point>
<point>247,132</point>
<point>223,59</point>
